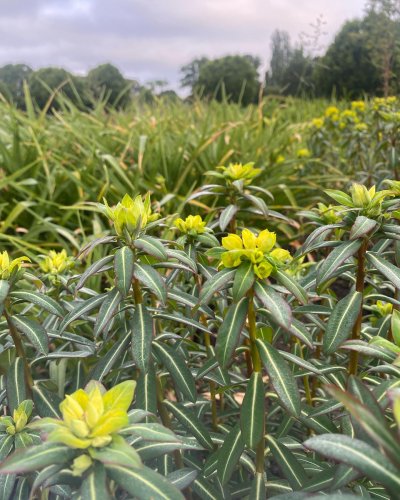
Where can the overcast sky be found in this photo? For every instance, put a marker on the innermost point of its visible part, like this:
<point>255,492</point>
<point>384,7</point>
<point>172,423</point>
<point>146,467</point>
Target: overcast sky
<point>152,39</point>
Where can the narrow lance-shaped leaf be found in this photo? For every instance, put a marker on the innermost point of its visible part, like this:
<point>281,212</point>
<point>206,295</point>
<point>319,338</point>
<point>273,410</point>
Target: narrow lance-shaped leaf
<point>16,388</point>
<point>341,321</point>
<point>244,279</point>
<point>92,270</point>
<point>108,360</point>
<point>152,279</point>
<point>229,454</point>
<point>81,309</point>
<point>362,226</point>
<point>276,305</point>
<point>216,284</point>
<point>292,285</point>
<point>390,271</point>
<point>144,483</point>
<point>151,246</point>
<point>176,365</point>
<point>358,454</point>
<point>94,485</point>
<point>41,300</point>
<point>34,331</point>
<point>289,465</point>
<point>281,377</point>
<point>227,214</point>
<point>229,332</point>
<point>146,390</point>
<point>123,268</point>
<point>142,336</point>
<point>46,402</point>
<point>106,312</point>
<point>4,289</point>
<point>336,259</point>
<point>252,411</point>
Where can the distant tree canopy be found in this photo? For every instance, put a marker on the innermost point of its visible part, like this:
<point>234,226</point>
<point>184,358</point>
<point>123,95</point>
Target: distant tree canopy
<point>232,77</point>
<point>107,83</point>
<point>12,77</point>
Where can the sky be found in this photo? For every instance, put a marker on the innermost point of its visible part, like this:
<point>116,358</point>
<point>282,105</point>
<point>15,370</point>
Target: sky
<point>151,39</point>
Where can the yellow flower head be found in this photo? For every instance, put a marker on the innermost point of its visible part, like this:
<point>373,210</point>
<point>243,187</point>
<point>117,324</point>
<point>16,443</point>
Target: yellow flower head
<point>303,153</point>
<point>358,106</point>
<point>361,127</point>
<point>91,417</point>
<point>258,249</point>
<point>317,123</point>
<point>56,262</point>
<point>16,423</point>
<point>239,172</point>
<point>349,115</point>
<point>8,267</point>
<point>332,112</point>
<point>279,159</point>
<point>130,214</point>
<point>384,308</point>
<point>369,200</point>
<point>193,224</point>
<point>328,213</point>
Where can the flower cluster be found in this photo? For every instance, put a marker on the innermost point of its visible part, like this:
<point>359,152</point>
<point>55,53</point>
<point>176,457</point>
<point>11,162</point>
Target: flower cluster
<point>130,215</point>
<point>193,225</point>
<point>16,423</point>
<point>258,249</point>
<point>91,417</point>
<point>8,267</point>
<point>239,172</point>
<point>56,262</point>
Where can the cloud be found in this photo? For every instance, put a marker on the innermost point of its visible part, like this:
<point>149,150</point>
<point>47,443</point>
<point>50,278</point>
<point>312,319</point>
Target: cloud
<point>152,39</point>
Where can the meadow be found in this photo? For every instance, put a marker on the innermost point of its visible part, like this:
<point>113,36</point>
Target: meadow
<point>200,300</point>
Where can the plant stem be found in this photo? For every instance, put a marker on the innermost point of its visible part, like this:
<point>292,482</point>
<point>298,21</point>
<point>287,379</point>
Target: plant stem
<point>20,350</point>
<point>356,334</point>
<point>137,292</point>
<point>257,367</point>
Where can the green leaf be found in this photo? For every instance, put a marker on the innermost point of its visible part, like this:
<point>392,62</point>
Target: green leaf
<point>182,478</point>
<point>229,454</point>
<point>190,421</point>
<point>152,279</point>
<point>390,271</point>
<point>358,454</point>
<point>276,305</point>
<point>46,402</point>
<point>258,489</point>
<point>34,331</point>
<point>215,284</point>
<point>146,391</point>
<point>253,410</point>
<point>119,452</point>
<point>292,285</point>
<point>6,445</point>
<point>107,309</point>
<point>227,214</point>
<point>4,289</point>
<point>108,360</point>
<point>92,270</point>
<point>16,388</point>
<point>178,369</point>
<point>362,226</point>
<point>81,309</point>
<point>41,300</point>
<point>151,246</point>
<point>340,197</point>
<point>36,458</point>
<point>289,465</point>
<point>123,268</point>
<point>230,330</point>
<point>281,377</point>
<point>188,300</point>
<point>142,336</point>
<point>94,486</point>
<point>144,483</point>
<point>341,322</point>
<point>151,432</point>
<point>395,326</point>
<point>205,490</point>
<point>335,259</point>
<point>244,279</point>
<point>7,482</point>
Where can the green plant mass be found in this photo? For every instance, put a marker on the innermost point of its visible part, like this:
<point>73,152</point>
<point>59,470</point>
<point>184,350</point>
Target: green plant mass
<point>199,300</point>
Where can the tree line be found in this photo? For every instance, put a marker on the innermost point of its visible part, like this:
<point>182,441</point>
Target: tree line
<point>363,59</point>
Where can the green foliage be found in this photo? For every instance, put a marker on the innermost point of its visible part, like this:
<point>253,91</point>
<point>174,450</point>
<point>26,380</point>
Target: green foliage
<point>107,83</point>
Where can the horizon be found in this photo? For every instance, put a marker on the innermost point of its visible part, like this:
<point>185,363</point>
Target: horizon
<point>152,41</point>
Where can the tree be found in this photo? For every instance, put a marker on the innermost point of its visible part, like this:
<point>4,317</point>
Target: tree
<point>382,24</point>
<point>347,68</point>
<point>106,82</point>
<point>45,82</point>
<point>232,77</point>
<point>12,77</point>
<point>191,72</point>
<point>290,70</point>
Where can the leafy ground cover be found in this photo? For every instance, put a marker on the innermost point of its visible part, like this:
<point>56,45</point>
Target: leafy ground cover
<point>247,350</point>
